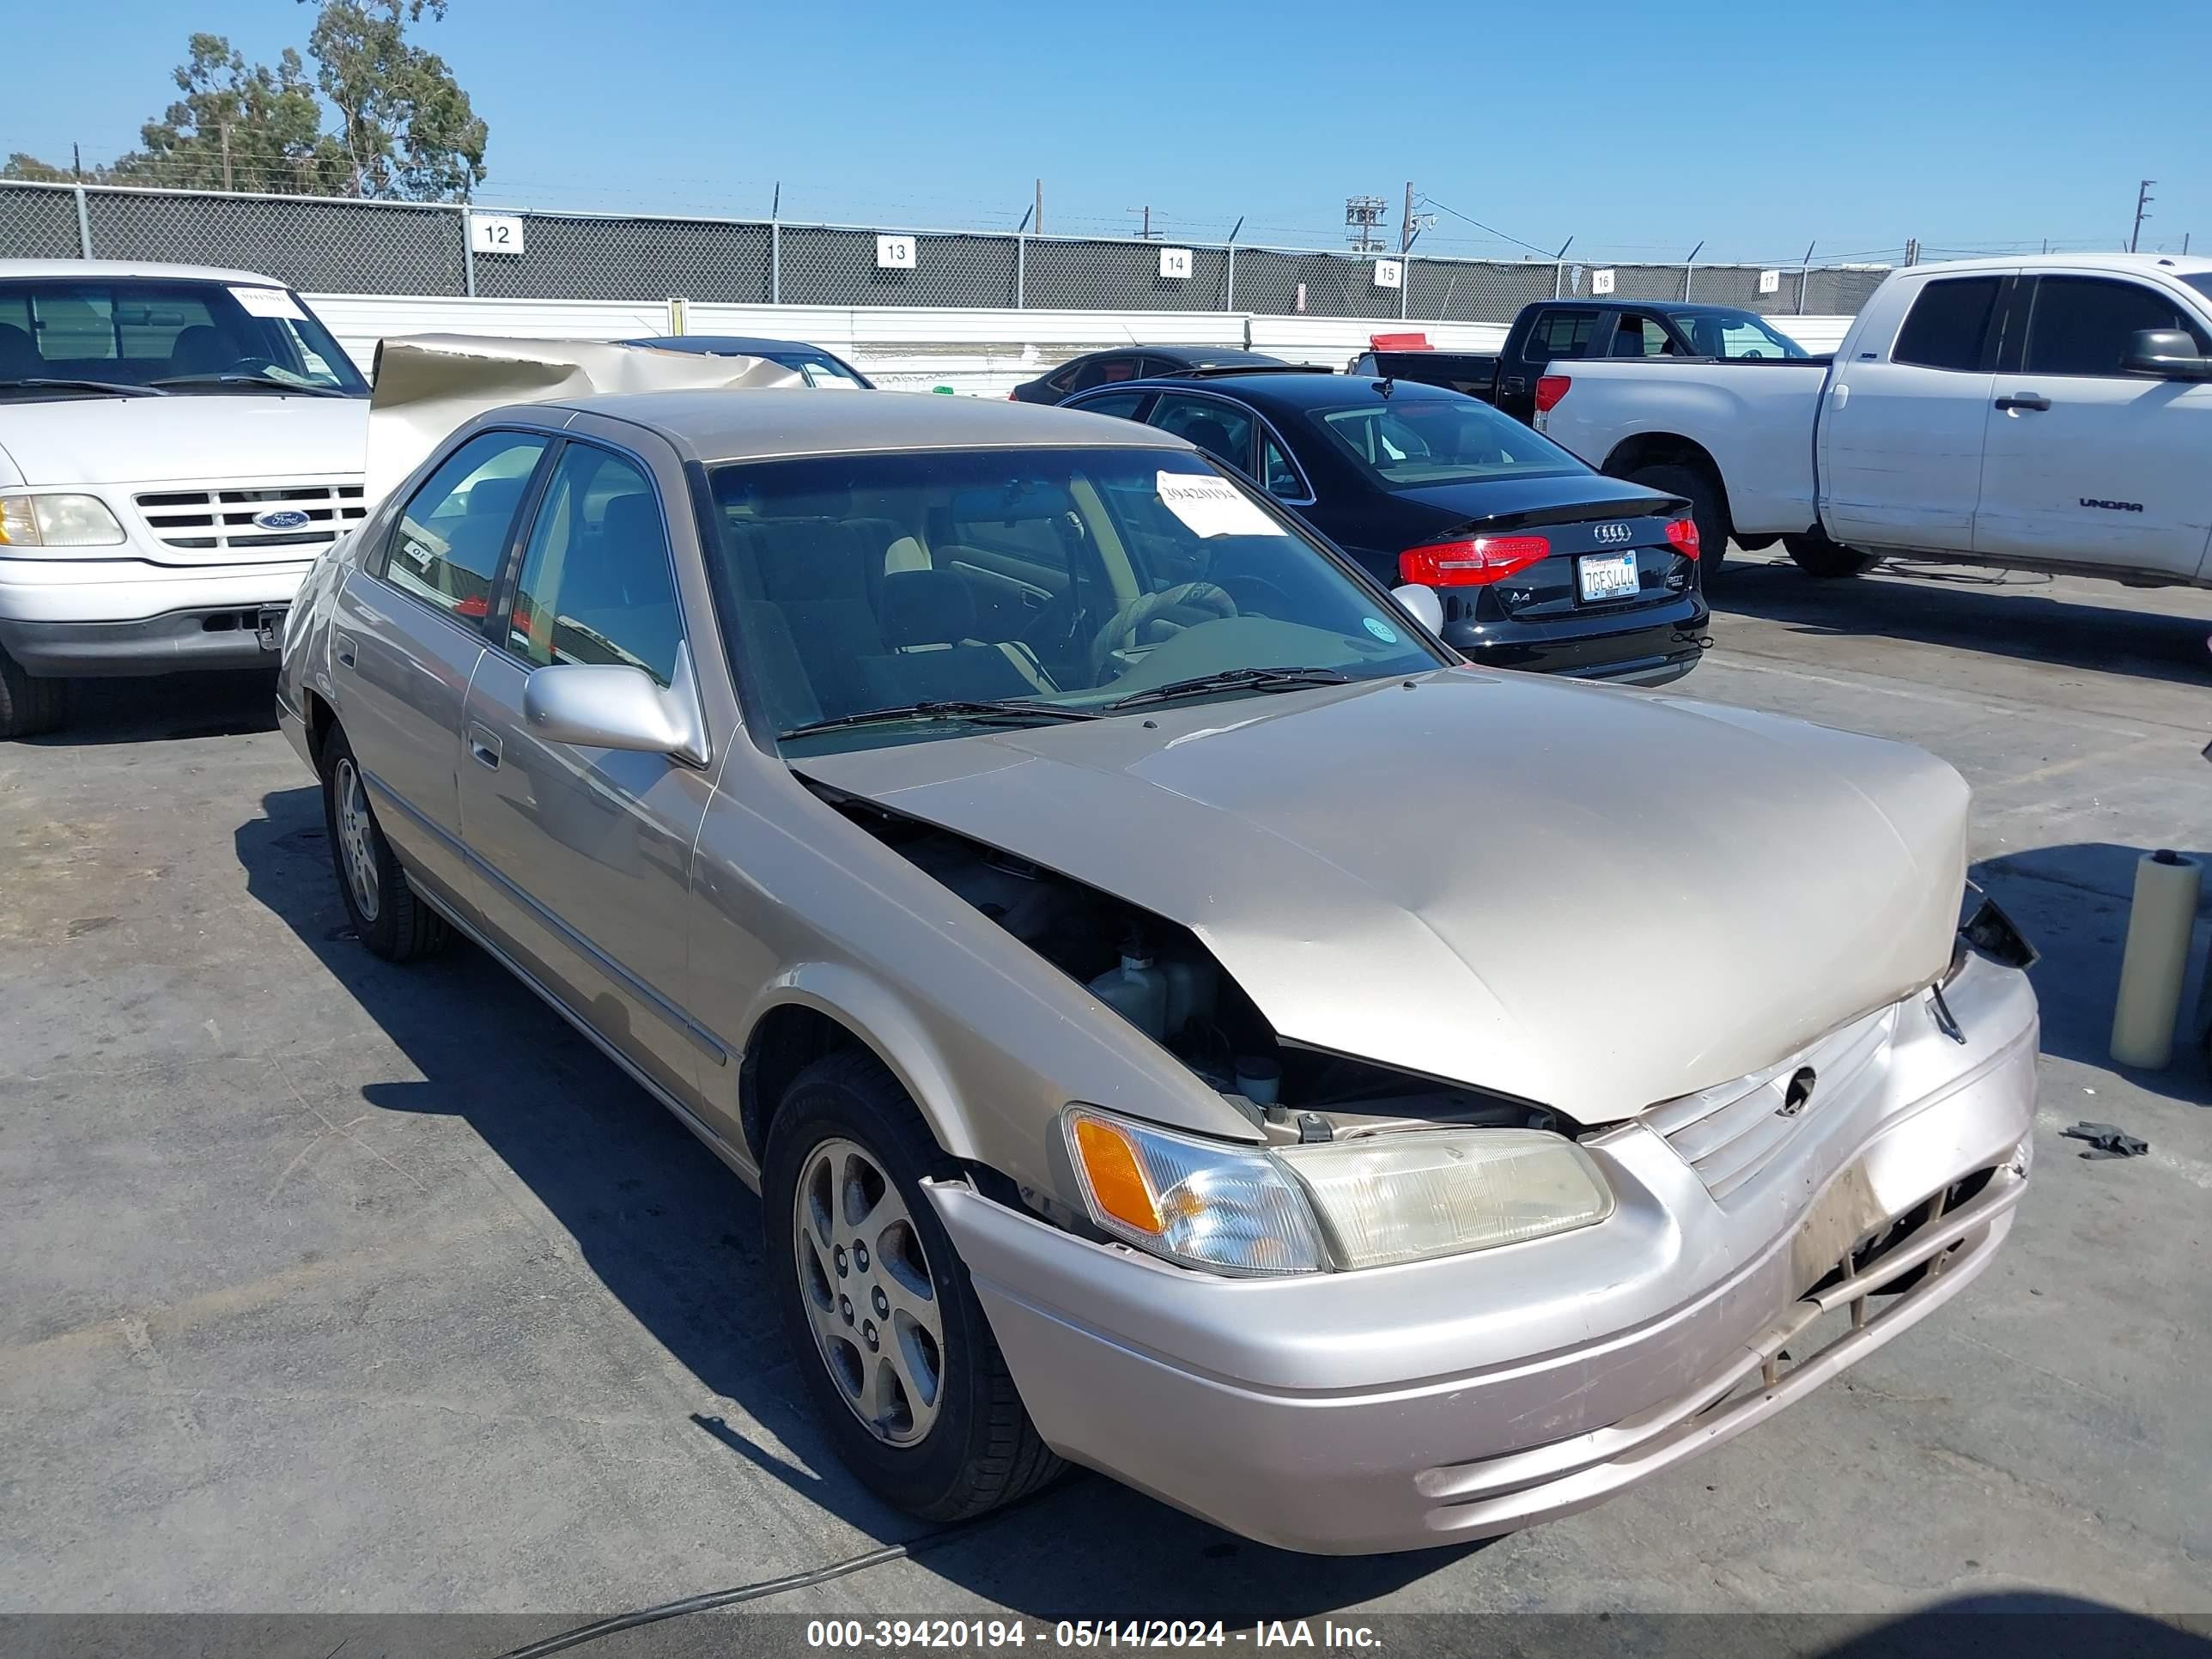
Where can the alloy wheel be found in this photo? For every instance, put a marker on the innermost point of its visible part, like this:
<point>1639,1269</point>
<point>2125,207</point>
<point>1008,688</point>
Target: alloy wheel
<point>867,1290</point>
<point>356,838</point>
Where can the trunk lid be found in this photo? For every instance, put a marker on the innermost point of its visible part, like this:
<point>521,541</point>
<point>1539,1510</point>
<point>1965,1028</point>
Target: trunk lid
<point>1619,526</point>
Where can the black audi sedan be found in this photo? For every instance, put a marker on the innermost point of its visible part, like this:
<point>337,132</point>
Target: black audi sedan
<point>1538,561</point>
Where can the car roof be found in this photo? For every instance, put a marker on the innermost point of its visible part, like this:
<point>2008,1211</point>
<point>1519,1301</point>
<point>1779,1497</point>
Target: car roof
<point>1282,389</point>
<point>1189,355</point>
<point>2169,264</point>
<point>724,345</point>
<point>751,425</point>
<point>18,269</point>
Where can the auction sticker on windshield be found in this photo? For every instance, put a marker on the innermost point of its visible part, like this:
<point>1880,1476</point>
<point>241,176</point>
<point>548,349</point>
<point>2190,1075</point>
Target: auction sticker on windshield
<point>268,302</point>
<point>1213,507</point>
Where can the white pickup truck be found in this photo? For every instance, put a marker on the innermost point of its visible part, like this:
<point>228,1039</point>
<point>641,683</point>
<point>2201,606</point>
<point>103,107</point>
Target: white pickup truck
<point>2049,412</point>
<point>176,446</point>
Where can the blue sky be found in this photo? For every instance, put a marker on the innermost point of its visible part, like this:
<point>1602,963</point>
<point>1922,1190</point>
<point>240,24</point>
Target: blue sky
<point>1638,130</point>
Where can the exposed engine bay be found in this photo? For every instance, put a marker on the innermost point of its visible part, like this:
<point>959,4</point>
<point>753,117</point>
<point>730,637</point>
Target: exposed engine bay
<point>1158,974</point>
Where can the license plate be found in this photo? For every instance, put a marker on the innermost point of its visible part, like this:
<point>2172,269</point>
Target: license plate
<point>1606,576</point>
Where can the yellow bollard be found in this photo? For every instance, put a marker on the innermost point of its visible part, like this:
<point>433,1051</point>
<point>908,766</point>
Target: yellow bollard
<point>2161,921</point>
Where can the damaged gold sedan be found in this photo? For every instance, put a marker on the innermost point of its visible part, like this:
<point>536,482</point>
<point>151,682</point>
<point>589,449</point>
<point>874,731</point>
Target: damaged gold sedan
<point>1181,1020</point>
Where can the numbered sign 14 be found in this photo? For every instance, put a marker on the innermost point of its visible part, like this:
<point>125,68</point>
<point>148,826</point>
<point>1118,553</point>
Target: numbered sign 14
<point>1174,262</point>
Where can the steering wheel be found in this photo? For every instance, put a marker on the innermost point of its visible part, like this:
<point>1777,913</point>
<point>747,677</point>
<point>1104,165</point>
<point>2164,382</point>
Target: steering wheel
<point>1150,607</point>
<point>1258,593</point>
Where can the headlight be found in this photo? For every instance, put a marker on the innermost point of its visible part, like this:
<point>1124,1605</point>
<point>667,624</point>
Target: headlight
<point>1368,1201</point>
<point>57,521</point>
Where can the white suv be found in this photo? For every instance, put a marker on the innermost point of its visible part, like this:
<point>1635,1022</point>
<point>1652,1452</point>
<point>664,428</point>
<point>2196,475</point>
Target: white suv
<point>176,446</point>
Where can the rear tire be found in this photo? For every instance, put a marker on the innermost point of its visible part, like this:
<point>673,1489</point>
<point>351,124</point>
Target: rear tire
<point>1706,508</point>
<point>28,704</point>
<point>906,1378</point>
<point>1816,555</point>
<point>392,922</point>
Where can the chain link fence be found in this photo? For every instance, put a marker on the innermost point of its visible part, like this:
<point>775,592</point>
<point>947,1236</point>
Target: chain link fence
<point>339,247</point>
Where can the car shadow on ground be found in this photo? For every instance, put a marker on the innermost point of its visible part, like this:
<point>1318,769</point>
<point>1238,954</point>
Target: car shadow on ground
<point>1950,606</point>
<point>166,708</point>
<point>2003,1624</point>
<point>2072,902</point>
<point>674,1237</point>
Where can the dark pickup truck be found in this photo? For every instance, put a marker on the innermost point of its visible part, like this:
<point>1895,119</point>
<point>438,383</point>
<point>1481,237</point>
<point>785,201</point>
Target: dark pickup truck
<point>1557,330</point>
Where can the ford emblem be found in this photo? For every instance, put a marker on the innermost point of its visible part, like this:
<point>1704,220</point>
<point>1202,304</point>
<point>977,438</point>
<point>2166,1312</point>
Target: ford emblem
<point>281,517</point>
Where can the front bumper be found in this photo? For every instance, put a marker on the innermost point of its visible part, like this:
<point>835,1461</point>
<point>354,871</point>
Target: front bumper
<point>1448,1401</point>
<point>126,617</point>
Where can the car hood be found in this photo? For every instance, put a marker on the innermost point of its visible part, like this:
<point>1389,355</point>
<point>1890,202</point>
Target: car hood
<point>231,435</point>
<point>1590,898</point>
<point>1569,498</point>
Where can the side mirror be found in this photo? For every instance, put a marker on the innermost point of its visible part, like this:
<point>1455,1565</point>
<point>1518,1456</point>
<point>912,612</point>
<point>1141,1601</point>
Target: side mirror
<point>1422,604</point>
<point>611,705</point>
<point>2168,354</point>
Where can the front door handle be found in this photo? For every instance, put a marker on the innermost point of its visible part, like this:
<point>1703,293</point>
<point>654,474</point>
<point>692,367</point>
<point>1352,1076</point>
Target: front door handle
<point>2025,400</point>
<point>484,743</point>
<point>345,649</point>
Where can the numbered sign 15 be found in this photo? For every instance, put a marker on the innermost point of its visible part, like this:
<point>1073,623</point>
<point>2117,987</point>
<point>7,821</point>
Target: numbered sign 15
<point>894,253</point>
<point>495,232</point>
<point>1174,262</point>
<point>1389,273</point>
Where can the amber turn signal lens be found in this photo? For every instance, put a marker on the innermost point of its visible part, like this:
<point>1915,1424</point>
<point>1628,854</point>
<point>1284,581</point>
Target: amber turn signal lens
<point>1117,1185</point>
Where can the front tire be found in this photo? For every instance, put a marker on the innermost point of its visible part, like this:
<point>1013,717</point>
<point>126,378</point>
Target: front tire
<point>904,1373</point>
<point>28,704</point>
<point>1707,509</point>
<point>391,921</point>
<point>1816,555</point>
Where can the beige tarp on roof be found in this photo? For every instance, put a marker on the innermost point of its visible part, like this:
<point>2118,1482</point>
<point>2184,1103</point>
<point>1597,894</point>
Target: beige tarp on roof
<point>428,384</point>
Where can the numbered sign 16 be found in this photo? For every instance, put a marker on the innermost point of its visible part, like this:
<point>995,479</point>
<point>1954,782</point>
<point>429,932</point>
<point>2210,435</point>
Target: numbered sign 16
<point>1174,262</point>
<point>495,232</point>
<point>1601,281</point>
<point>1770,281</point>
<point>1389,273</point>
<point>894,253</point>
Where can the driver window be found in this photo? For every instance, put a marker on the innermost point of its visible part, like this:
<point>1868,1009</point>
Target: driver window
<point>454,532</point>
<point>1636,336</point>
<point>596,585</point>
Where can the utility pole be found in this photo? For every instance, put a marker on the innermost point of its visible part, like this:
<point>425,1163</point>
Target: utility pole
<point>1406,224</point>
<point>77,164</point>
<point>1362,216</point>
<point>1036,211</point>
<point>226,156</point>
<point>1146,234</point>
<point>2143,199</point>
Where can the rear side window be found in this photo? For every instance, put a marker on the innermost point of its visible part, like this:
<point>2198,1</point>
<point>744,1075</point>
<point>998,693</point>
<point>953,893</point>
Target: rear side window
<point>1122,404</point>
<point>1104,371</point>
<point>2081,324</point>
<point>1221,429</point>
<point>1561,334</point>
<point>451,537</point>
<point>1948,323</point>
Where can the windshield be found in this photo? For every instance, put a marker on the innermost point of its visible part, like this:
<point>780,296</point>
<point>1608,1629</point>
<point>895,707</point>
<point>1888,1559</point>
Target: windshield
<point>823,373</point>
<point>1408,440</point>
<point>1054,582</point>
<point>1721,333</point>
<point>186,337</point>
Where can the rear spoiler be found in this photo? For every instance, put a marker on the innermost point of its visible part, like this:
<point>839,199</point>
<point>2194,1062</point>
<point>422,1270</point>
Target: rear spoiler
<point>426,385</point>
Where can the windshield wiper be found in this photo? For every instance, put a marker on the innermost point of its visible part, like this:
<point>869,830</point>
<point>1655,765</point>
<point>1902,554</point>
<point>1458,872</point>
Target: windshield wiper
<point>946,709</point>
<point>54,383</point>
<point>1234,679</point>
<point>231,377</point>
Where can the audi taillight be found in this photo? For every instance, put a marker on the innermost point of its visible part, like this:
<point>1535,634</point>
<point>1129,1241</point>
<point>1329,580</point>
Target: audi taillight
<point>1550,388</point>
<point>1472,564</point>
<point>1682,536</point>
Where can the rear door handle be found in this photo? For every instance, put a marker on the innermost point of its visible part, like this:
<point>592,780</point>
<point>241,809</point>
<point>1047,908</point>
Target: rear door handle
<point>484,743</point>
<point>2025,400</point>
<point>345,649</point>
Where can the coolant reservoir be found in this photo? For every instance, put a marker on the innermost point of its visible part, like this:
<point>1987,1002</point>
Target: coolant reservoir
<point>1137,991</point>
<point>1190,994</point>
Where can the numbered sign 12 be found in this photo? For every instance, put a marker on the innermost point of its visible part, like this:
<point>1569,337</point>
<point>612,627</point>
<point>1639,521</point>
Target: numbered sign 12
<point>495,232</point>
<point>894,253</point>
<point>1174,262</point>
